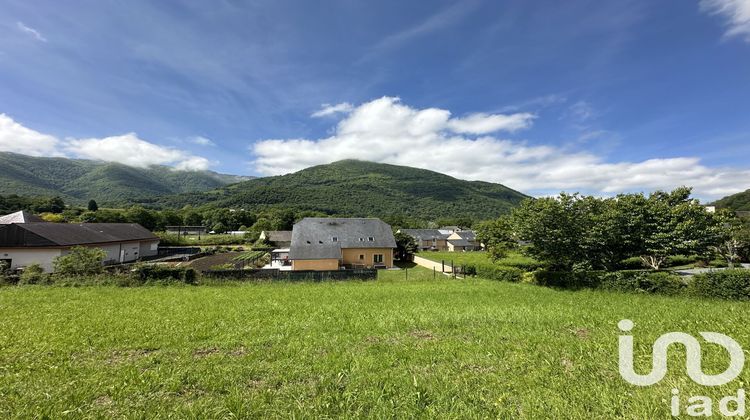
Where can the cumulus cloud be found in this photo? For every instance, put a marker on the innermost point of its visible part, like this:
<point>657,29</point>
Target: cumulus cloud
<point>202,141</point>
<point>127,149</point>
<point>385,130</point>
<point>736,13</point>
<point>31,31</point>
<point>16,138</point>
<point>328,110</point>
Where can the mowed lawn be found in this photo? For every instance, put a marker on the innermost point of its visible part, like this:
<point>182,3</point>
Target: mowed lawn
<point>475,257</point>
<point>424,348</point>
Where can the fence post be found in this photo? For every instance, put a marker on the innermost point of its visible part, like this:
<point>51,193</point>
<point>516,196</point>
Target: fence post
<point>407,274</point>
<point>433,272</point>
<point>442,269</point>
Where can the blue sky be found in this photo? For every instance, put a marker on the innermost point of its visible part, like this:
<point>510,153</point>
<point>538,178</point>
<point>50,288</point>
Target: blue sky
<point>595,96</point>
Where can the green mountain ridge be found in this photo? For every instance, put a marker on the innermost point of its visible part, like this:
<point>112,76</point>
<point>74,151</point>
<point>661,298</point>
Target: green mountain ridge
<point>78,180</point>
<point>360,189</point>
<point>736,202</point>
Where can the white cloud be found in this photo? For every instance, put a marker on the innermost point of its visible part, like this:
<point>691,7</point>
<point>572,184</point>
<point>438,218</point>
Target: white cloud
<point>31,31</point>
<point>18,139</point>
<point>385,130</point>
<point>202,141</point>
<point>127,149</point>
<point>328,110</point>
<point>736,12</point>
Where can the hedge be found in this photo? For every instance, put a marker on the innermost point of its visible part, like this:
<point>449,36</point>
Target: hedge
<point>623,281</point>
<point>726,284</point>
<point>164,274</point>
<point>495,272</point>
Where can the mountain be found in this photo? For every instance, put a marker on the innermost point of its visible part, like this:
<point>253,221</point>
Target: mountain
<point>358,188</point>
<point>736,202</point>
<point>77,181</point>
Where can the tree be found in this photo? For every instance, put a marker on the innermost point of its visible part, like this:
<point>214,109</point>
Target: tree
<point>93,206</point>
<point>731,237</point>
<point>80,261</point>
<point>497,237</point>
<point>406,246</point>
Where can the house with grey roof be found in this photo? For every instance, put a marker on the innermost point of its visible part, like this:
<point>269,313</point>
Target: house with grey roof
<point>332,243</point>
<point>20,217</point>
<point>428,239</point>
<point>277,238</point>
<point>23,244</point>
<point>463,240</point>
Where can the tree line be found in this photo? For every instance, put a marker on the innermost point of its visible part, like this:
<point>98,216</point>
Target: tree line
<point>572,232</point>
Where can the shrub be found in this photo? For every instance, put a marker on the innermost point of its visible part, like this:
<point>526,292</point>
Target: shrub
<point>644,281</point>
<point>5,275</point>
<point>726,284</point>
<point>568,279</point>
<point>501,273</point>
<point>161,274</point>
<point>80,261</point>
<point>33,274</point>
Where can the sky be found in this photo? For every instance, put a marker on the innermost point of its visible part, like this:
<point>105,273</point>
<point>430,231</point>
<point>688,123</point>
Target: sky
<point>600,97</point>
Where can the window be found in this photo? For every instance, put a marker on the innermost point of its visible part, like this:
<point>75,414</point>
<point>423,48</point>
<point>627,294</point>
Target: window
<point>377,258</point>
<point>371,239</point>
<point>361,256</point>
<point>335,239</point>
<point>361,239</point>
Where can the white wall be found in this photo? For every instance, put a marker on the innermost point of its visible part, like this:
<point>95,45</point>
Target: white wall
<point>26,257</point>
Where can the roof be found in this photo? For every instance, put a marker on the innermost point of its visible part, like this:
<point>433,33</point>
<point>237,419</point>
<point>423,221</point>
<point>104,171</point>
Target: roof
<point>315,252</point>
<point>330,235</point>
<point>279,235</point>
<point>459,242</point>
<point>425,234</point>
<point>469,235</point>
<point>20,217</point>
<point>65,234</point>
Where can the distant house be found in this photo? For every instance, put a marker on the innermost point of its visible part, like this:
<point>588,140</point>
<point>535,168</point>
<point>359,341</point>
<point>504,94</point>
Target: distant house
<point>428,239</point>
<point>450,229</point>
<point>20,217</point>
<point>23,244</point>
<point>331,243</point>
<point>463,240</point>
<point>277,238</point>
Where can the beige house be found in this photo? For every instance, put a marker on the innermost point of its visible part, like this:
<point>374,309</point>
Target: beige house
<point>428,239</point>
<point>23,244</point>
<point>464,240</point>
<point>333,243</point>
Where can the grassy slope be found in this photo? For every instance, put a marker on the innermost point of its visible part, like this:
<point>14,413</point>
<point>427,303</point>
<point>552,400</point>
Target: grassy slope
<point>739,201</point>
<point>419,348</point>
<point>358,188</point>
<point>108,183</point>
<point>478,257</point>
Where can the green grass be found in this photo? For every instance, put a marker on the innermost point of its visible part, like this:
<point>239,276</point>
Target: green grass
<point>422,348</point>
<point>477,257</point>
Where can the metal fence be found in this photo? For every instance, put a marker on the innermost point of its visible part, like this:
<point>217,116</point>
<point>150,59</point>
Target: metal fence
<point>275,274</point>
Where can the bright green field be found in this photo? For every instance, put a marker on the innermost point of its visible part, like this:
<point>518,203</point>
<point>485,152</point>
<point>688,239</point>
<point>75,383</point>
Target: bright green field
<point>422,348</point>
<point>475,257</point>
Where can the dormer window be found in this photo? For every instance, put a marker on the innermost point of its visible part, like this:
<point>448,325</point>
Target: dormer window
<point>371,239</point>
<point>335,239</point>
<point>361,239</point>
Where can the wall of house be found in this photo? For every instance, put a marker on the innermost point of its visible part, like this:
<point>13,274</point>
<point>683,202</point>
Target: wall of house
<point>351,256</point>
<point>318,265</point>
<point>148,249</point>
<point>23,257</point>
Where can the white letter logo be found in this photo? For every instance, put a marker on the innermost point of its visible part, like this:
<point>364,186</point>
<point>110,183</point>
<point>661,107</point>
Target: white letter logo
<point>693,362</point>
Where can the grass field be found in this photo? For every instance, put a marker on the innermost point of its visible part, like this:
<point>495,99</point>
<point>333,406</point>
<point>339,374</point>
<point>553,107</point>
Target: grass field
<point>476,257</point>
<point>423,347</point>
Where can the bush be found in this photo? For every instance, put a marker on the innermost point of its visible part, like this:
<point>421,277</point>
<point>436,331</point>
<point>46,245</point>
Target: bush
<point>34,274</point>
<point>80,261</point>
<point>494,272</point>
<point>644,282</point>
<point>160,274</point>
<point>5,275</point>
<point>568,279</point>
<point>726,284</point>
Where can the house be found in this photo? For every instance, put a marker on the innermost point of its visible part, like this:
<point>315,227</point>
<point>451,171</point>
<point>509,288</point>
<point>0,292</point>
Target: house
<point>331,243</point>
<point>463,240</point>
<point>450,229</point>
<point>20,217</point>
<point>278,238</point>
<point>23,244</point>
<point>428,239</point>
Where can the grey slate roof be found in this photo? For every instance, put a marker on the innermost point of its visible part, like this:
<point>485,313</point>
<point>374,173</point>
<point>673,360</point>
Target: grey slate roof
<point>425,234</point>
<point>313,232</point>
<point>459,242</point>
<point>65,234</point>
<point>469,235</point>
<point>20,217</point>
